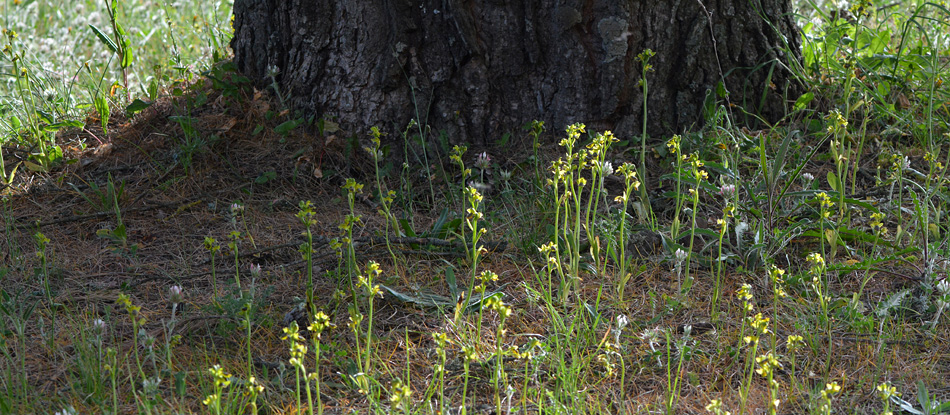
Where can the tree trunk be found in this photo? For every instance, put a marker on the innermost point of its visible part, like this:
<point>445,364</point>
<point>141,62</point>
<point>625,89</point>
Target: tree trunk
<point>479,69</point>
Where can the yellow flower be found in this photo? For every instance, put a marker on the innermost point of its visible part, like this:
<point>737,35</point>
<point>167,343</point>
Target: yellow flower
<point>674,144</point>
<point>744,292</point>
<point>887,391</point>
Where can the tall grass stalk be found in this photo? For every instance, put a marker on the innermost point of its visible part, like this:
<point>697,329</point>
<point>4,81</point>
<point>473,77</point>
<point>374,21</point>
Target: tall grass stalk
<point>499,377</point>
<point>441,342</point>
<point>321,322</point>
<point>760,326</point>
<point>134,312</point>
<point>535,128</point>
<point>646,68</point>
<point>42,242</point>
<point>473,216</point>
<point>247,312</point>
<point>699,175</point>
<point>212,247</point>
<point>175,297</point>
<point>352,188</point>
<point>298,351</point>
<point>371,290</point>
<point>235,238</point>
<point>385,199</point>
<point>17,312</point>
<point>793,343</point>
<point>599,168</point>
<point>674,147</point>
<point>456,157</point>
<point>673,375</point>
<point>723,224</point>
<point>819,285</point>
<point>631,184</point>
<point>306,217</point>
<point>112,369</point>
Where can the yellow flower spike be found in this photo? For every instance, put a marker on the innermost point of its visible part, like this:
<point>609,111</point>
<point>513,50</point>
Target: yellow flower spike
<point>744,292</point>
<point>721,223</point>
<point>674,144</point>
<point>817,262</point>
<point>209,399</point>
<point>887,391</point>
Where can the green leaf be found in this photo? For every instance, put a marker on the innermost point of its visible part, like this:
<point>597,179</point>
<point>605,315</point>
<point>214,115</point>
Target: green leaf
<point>120,231</point>
<point>330,127</point>
<point>721,169</point>
<point>698,232</point>
<point>44,116</point>
<point>152,89</point>
<point>879,42</point>
<point>476,304</point>
<point>436,228</point>
<point>265,177</point>
<point>137,106</point>
<point>122,34</point>
<point>942,408</point>
<point>893,301</point>
<point>407,228</point>
<point>803,101</point>
<point>12,173</point>
<point>33,166</point>
<point>780,160</point>
<point>106,40</point>
<point>721,90</point>
<point>923,395</point>
<point>287,126</point>
<point>422,299</point>
<point>452,282</point>
<point>833,181</point>
<point>63,124</point>
<point>127,58</point>
<point>102,107</point>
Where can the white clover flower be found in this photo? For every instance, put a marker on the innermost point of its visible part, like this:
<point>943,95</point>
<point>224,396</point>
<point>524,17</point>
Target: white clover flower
<point>151,385</point>
<point>482,161</point>
<point>175,294</point>
<point>905,163</point>
<point>680,256</point>
<point>727,190</point>
<point>943,286</point>
<point>622,322</point>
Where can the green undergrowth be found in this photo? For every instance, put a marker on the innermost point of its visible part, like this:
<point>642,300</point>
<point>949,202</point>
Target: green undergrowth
<point>64,61</point>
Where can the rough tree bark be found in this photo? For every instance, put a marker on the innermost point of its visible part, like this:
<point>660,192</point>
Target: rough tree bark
<point>477,69</point>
